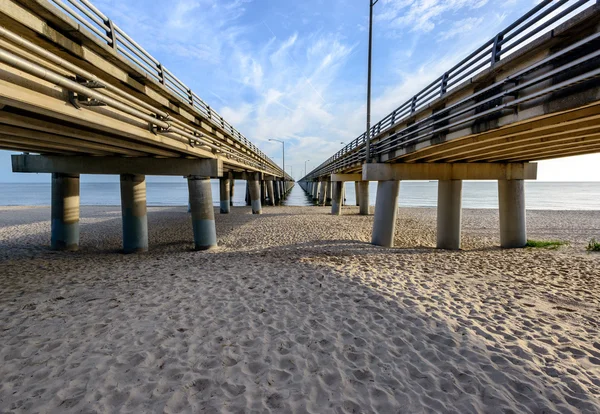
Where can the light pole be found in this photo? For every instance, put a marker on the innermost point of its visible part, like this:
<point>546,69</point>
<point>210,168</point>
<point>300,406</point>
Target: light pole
<point>283,156</point>
<point>368,134</point>
<point>305,167</point>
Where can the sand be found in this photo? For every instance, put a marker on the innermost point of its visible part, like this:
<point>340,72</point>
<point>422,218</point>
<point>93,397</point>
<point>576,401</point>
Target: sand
<point>296,312</point>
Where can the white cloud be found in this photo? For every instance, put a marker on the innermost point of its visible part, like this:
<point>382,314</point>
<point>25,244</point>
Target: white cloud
<point>461,27</point>
<point>420,15</point>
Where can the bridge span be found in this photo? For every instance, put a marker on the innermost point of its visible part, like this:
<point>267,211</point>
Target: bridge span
<point>79,96</point>
<point>530,93</point>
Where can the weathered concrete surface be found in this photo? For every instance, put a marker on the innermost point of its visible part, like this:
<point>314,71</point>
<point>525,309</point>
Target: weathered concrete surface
<point>386,211</point>
<point>134,215</point>
<point>203,214</point>
<point>511,199</point>
<point>449,214</point>
<point>65,212</point>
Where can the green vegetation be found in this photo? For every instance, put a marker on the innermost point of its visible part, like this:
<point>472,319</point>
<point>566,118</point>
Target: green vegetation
<point>550,244</point>
<point>593,246</point>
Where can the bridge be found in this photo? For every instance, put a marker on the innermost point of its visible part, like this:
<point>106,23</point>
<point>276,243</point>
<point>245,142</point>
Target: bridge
<point>80,96</point>
<point>530,93</point>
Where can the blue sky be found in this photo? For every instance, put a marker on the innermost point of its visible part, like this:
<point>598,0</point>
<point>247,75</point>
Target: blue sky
<point>296,70</point>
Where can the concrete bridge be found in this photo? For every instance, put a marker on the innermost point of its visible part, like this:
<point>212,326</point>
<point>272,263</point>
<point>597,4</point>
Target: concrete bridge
<point>79,96</point>
<point>530,93</point>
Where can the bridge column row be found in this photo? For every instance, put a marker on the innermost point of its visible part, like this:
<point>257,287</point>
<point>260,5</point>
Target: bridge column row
<point>65,209</point>
<point>511,200</point>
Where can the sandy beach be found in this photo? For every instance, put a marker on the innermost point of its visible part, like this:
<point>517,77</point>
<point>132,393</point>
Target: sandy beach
<point>296,312</point>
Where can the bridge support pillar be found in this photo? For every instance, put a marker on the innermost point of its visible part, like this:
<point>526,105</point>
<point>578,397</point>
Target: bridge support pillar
<point>65,212</point>
<point>316,186</point>
<point>248,201</point>
<point>277,193</point>
<point>263,192</point>
<point>449,214</point>
<point>329,193</point>
<point>386,211</point>
<point>356,192</point>
<point>134,214</point>
<point>336,202</point>
<point>231,190</point>
<point>322,193</point>
<point>362,197</point>
<point>225,194</point>
<point>511,198</point>
<point>254,188</point>
<point>271,192</point>
<point>203,214</point>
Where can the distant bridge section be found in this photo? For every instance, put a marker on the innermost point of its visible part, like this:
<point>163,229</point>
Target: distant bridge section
<point>530,93</point>
<point>83,95</point>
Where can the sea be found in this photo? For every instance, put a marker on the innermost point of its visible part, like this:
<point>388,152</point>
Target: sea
<point>476,194</point>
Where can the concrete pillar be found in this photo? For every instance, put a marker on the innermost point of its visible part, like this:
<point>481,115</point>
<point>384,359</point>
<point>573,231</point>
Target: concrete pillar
<point>225,194</point>
<point>329,194</point>
<point>254,188</point>
<point>322,193</point>
<point>317,186</point>
<point>386,211</point>
<point>231,192</point>
<point>277,193</point>
<point>271,192</point>
<point>336,202</point>
<point>203,214</point>
<point>343,193</point>
<point>65,212</point>
<point>449,214</point>
<point>263,193</point>
<point>511,198</point>
<point>363,197</point>
<point>356,190</point>
<point>133,212</point>
<point>248,201</point>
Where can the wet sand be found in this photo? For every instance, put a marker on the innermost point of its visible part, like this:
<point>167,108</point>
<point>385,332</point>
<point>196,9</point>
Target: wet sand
<point>296,312</point>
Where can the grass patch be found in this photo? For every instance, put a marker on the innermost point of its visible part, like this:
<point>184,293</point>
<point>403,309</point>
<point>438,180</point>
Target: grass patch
<point>593,246</point>
<point>546,244</point>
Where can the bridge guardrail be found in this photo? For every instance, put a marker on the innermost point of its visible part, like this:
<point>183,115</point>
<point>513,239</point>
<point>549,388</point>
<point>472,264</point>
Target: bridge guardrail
<point>104,28</point>
<point>540,20</point>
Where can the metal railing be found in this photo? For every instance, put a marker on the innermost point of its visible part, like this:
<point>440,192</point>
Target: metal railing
<point>99,25</point>
<point>540,20</point>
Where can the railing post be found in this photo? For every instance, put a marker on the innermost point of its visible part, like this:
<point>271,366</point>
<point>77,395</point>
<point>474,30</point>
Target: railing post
<point>444,86</point>
<point>413,105</point>
<point>161,73</point>
<point>190,96</point>
<point>110,32</point>
<point>496,48</point>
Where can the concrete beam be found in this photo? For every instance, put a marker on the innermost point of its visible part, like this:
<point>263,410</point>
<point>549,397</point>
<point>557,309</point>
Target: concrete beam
<point>346,177</point>
<point>450,171</point>
<point>116,165</point>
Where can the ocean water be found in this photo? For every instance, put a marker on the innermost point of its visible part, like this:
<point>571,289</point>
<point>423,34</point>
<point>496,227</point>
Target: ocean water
<point>476,194</point>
